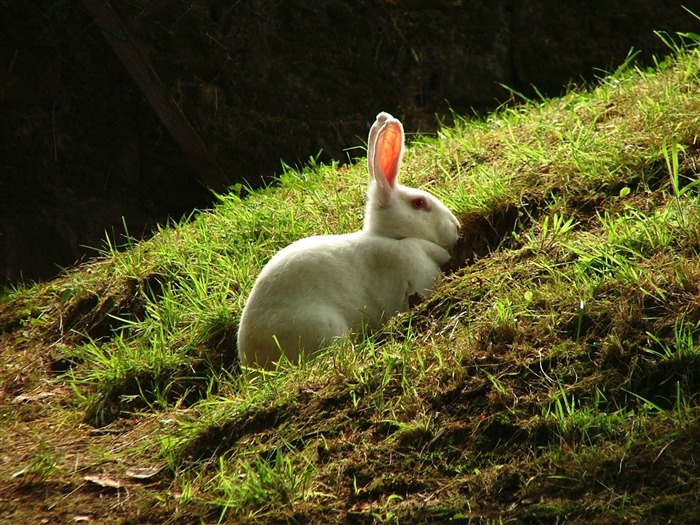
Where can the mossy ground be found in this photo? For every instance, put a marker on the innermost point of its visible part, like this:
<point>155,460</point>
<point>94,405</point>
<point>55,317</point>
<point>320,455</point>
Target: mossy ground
<point>552,378</point>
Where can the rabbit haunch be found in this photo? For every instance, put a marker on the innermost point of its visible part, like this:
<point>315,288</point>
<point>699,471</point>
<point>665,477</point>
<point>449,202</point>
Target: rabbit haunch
<point>318,288</point>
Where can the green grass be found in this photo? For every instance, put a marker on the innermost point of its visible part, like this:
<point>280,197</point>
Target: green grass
<point>553,377</point>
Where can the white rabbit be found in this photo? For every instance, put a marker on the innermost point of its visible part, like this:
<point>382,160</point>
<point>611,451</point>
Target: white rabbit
<point>319,288</point>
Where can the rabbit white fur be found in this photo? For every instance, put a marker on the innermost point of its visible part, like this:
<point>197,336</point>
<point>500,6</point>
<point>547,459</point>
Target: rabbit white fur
<point>319,288</point>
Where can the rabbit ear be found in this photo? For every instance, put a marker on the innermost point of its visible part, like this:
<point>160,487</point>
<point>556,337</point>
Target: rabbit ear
<point>385,152</point>
<point>371,142</point>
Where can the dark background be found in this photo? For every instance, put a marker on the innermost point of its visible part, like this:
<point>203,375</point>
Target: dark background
<point>83,153</point>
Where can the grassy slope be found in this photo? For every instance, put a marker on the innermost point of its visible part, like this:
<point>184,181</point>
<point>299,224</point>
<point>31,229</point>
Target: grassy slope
<point>552,378</point>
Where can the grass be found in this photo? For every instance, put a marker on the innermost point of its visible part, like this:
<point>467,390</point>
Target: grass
<point>552,378</point>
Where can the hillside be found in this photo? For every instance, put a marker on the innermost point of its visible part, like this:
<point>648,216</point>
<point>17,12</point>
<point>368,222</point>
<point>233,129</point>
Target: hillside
<point>553,377</point>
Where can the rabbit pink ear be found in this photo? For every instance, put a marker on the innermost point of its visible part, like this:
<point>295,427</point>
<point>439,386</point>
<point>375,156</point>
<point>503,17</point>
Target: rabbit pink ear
<point>384,152</point>
<point>390,150</point>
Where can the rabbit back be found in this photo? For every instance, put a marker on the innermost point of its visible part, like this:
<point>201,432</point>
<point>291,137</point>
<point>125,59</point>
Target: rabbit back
<point>318,288</point>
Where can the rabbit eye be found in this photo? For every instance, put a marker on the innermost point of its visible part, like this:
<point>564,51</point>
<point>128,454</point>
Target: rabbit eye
<point>420,203</point>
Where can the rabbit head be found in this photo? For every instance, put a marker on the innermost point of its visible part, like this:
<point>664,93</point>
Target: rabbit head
<point>394,210</point>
